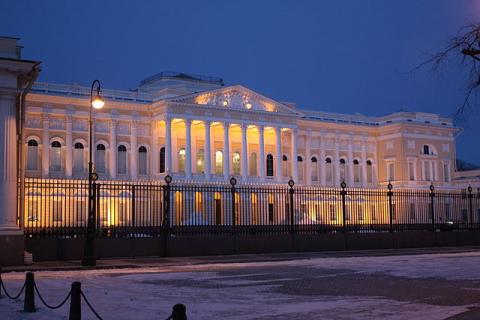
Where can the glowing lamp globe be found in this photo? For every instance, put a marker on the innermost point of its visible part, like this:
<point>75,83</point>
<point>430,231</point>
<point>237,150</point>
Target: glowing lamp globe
<point>98,102</point>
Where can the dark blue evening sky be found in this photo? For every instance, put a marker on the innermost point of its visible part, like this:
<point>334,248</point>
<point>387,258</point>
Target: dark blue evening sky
<point>341,56</point>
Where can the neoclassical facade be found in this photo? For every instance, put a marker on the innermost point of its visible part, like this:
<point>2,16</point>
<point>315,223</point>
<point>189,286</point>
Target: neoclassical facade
<point>196,129</point>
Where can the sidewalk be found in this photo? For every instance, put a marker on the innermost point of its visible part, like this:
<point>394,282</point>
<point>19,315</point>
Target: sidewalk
<point>152,262</point>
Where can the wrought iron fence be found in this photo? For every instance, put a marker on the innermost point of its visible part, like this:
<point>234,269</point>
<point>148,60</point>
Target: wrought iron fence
<point>58,208</point>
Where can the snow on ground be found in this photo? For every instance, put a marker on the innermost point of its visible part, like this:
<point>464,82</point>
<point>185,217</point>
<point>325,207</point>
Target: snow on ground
<point>380,287</point>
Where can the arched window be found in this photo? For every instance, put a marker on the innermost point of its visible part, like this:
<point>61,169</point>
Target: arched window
<point>300,167</point>
<point>343,170</point>
<point>269,165</point>
<point>314,169</point>
<point>253,164</point>
<point>122,159</point>
<point>56,156</point>
<point>218,162</point>
<point>200,161</point>
<point>32,155</point>
<point>100,156</point>
<point>181,160</point>
<point>284,166</point>
<point>369,172</point>
<point>162,160</point>
<point>328,170</point>
<point>78,158</point>
<point>142,160</point>
<point>356,171</point>
<point>236,162</point>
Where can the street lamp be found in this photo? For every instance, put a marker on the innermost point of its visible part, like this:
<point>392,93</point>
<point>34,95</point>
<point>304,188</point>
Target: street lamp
<point>97,102</point>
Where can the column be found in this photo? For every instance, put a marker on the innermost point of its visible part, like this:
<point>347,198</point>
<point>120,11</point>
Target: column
<point>194,149</point>
<point>322,161</point>
<point>188,148</point>
<point>364,162</point>
<point>208,151</point>
<point>244,156</point>
<point>308,160</point>
<point>113,149</point>
<point>68,148</point>
<point>168,146</point>
<point>336,178</point>
<point>278,149</point>
<point>133,151</point>
<point>226,150</point>
<point>350,162</point>
<point>261,153</point>
<point>45,147</point>
<point>8,166</point>
<point>155,149</point>
<point>294,155</point>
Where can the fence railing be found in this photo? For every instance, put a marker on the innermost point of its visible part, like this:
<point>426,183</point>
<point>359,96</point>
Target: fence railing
<point>58,208</point>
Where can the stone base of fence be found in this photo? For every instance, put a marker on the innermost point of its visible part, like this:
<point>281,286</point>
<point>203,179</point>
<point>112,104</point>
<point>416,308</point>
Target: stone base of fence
<point>49,249</point>
<point>12,245</point>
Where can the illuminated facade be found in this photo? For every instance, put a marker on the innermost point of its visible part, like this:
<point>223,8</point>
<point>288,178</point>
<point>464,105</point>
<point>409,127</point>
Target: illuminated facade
<point>197,129</point>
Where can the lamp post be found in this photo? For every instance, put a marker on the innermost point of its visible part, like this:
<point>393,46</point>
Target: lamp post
<point>97,102</point>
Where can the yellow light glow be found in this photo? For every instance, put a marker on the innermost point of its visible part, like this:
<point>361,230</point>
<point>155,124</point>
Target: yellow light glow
<point>98,102</point>
<point>248,105</point>
<point>224,103</point>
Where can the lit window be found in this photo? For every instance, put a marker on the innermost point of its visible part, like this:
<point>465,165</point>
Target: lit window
<point>218,162</point>
<point>236,162</point>
<point>200,161</point>
<point>181,160</point>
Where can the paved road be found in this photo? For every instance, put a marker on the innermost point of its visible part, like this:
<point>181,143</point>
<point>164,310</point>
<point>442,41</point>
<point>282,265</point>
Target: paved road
<point>409,284</point>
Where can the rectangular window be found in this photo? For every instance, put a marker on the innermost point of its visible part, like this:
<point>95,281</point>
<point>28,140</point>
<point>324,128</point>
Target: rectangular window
<point>426,170</point>
<point>411,171</point>
<point>446,172</point>
<point>391,171</point>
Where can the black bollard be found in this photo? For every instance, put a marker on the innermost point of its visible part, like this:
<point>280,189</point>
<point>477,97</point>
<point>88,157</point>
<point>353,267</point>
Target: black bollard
<point>76,302</point>
<point>29,303</point>
<point>179,312</point>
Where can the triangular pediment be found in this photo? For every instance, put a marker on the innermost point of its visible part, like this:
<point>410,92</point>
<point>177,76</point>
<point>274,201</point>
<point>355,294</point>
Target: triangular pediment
<point>239,98</point>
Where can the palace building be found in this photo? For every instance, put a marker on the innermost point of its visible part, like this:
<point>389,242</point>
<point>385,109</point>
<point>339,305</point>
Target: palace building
<point>197,129</point>
<point>202,133</point>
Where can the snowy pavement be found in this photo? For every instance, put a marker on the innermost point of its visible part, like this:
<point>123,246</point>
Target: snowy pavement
<point>428,286</point>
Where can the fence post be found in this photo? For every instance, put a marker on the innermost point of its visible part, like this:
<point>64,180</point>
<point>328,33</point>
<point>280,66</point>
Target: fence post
<point>291,183</point>
<point>76,302</point>
<point>390,204</point>
<point>343,193</point>
<point>233,182</point>
<point>432,205</point>
<point>166,214</point>
<point>134,222</point>
<point>470,204</point>
<point>29,302</point>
